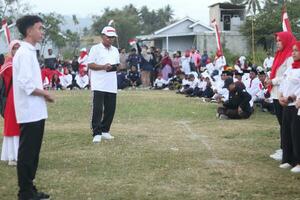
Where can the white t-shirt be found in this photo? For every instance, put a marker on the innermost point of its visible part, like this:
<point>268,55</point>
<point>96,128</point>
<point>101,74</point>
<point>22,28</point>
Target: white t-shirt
<point>82,81</point>
<point>268,62</point>
<point>66,80</point>
<point>185,63</point>
<point>27,77</point>
<point>102,80</point>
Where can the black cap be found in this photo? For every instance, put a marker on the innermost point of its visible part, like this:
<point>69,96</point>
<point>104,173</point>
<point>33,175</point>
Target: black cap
<point>226,72</point>
<point>262,73</point>
<point>227,82</point>
<point>238,73</point>
<point>253,70</point>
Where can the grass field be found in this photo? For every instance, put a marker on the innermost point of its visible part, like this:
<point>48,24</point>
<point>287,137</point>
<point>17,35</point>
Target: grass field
<point>166,146</point>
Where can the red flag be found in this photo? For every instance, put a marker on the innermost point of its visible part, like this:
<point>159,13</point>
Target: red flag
<point>286,26</point>
<point>6,31</point>
<point>217,33</point>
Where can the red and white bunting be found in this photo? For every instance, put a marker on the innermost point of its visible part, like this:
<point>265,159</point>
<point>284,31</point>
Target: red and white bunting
<point>6,31</point>
<point>217,33</point>
<point>286,26</point>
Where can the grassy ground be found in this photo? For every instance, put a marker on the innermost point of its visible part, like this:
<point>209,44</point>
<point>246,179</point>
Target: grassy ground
<point>166,146</point>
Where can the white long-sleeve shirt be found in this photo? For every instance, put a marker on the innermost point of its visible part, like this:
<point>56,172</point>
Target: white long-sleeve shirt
<point>279,77</point>
<point>27,77</point>
<point>159,82</point>
<point>268,62</point>
<point>291,83</point>
<point>220,63</point>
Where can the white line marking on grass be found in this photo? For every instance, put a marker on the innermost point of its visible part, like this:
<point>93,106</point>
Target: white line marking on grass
<point>203,139</point>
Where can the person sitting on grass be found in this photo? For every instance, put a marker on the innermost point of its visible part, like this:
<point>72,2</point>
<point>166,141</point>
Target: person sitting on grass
<point>185,83</point>
<point>55,83</point>
<point>159,83</point>
<point>66,79</point>
<point>238,104</point>
<point>82,80</point>
<point>192,88</point>
<point>134,77</point>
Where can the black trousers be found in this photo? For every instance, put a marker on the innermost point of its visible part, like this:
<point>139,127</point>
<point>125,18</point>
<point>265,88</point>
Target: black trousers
<point>291,135</point>
<point>278,112</point>
<point>233,113</point>
<point>28,156</point>
<point>103,111</point>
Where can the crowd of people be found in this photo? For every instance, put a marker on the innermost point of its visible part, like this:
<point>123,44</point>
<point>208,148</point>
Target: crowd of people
<point>238,90</point>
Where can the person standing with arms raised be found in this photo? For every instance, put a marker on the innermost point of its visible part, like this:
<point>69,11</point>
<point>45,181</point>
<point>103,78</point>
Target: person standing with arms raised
<point>30,105</point>
<point>103,61</point>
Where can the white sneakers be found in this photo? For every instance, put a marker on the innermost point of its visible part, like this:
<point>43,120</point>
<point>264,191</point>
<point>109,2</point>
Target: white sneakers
<point>277,155</point>
<point>296,169</point>
<point>97,139</point>
<point>285,166</point>
<point>105,136</point>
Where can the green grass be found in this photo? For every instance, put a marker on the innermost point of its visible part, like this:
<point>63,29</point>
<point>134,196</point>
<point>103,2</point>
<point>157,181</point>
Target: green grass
<point>166,146</point>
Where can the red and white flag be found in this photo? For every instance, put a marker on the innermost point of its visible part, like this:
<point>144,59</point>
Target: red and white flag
<point>217,33</point>
<point>6,31</point>
<point>132,41</point>
<point>286,26</point>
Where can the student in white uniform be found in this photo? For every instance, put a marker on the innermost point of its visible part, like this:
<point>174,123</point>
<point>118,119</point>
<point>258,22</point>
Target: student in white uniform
<point>30,105</point>
<point>66,79</point>
<point>291,119</point>
<point>252,86</point>
<point>103,61</point>
<point>283,59</point>
<point>268,62</point>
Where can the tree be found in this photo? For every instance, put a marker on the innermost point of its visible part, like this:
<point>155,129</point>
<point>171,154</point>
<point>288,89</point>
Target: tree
<point>53,32</point>
<point>126,22</point>
<point>268,22</point>
<point>12,9</point>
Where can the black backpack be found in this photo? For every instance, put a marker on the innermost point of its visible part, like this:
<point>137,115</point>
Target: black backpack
<point>3,95</point>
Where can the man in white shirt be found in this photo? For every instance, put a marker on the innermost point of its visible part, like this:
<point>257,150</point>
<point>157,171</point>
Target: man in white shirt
<point>268,62</point>
<point>30,105</point>
<point>252,86</point>
<point>103,61</point>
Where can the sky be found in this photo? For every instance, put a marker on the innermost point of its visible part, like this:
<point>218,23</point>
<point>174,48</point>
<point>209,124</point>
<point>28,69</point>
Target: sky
<point>197,10</point>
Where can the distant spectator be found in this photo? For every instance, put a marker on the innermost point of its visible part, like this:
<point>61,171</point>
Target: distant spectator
<point>159,83</point>
<point>82,80</point>
<point>268,62</point>
<point>83,59</point>
<point>134,59</point>
<point>55,83</point>
<point>204,58</point>
<point>185,62</point>
<point>167,67</point>
<point>123,60</point>
<point>75,64</point>
<point>50,59</point>
<point>134,77</point>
